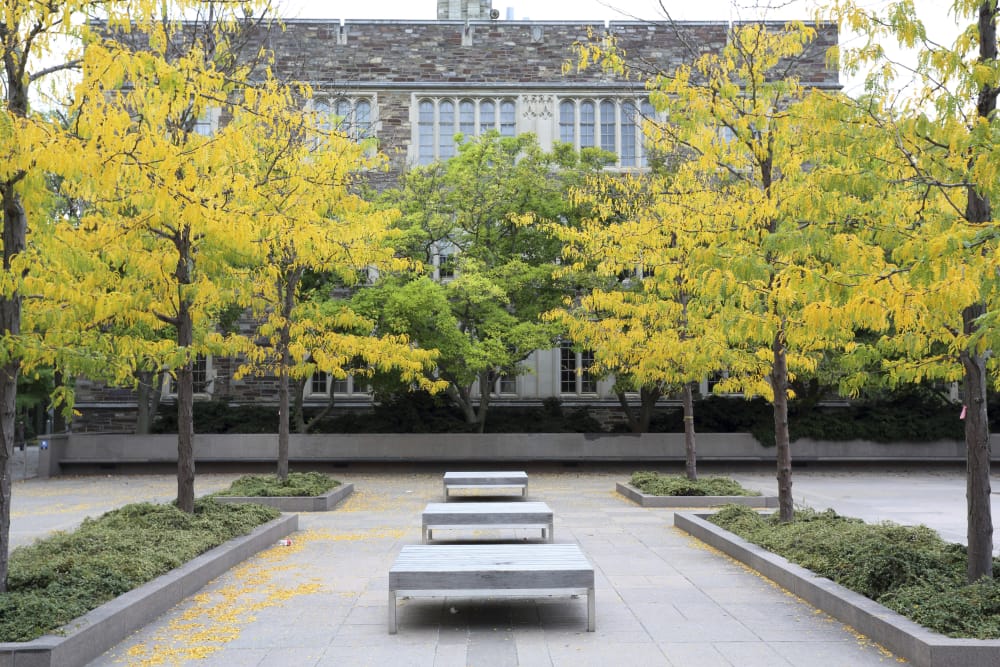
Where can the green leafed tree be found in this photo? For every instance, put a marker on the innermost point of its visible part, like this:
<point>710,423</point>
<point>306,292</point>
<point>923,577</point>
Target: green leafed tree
<point>476,223</point>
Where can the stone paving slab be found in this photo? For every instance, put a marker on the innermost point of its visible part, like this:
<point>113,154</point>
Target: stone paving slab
<point>662,597</point>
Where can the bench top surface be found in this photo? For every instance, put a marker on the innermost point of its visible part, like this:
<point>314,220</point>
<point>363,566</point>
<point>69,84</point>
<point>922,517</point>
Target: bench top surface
<point>486,477</point>
<point>479,509</point>
<point>491,557</point>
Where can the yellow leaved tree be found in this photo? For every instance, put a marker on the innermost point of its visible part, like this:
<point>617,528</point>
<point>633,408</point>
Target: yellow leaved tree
<point>39,42</point>
<point>302,170</point>
<point>926,140</point>
<point>160,218</point>
<point>734,136</point>
<point>646,324</point>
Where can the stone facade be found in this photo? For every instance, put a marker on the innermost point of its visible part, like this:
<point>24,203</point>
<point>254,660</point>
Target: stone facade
<point>490,66</point>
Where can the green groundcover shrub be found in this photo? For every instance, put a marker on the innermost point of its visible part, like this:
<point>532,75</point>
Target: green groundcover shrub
<point>908,569</point>
<point>655,484</point>
<point>67,574</point>
<point>298,484</point>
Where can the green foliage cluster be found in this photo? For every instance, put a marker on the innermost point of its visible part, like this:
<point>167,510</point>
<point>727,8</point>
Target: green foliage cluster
<point>67,574</point>
<point>908,569</point>
<point>654,484</point>
<point>913,416</point>
<point>298,484</point>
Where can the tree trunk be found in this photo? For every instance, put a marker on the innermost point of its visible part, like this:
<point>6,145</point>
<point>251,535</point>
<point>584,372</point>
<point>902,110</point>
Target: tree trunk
<point>977,435</point>
<point>485,384</point>
<point>783,453</point>
<point>630,419</point>
<point>185,376</point>
<point>283,421</point>
<point>15,226</point>
<point>977,443</point>
<point>287,287</point>
<point>462,397</point>
<point>690,450</point>
<point>147,397</point>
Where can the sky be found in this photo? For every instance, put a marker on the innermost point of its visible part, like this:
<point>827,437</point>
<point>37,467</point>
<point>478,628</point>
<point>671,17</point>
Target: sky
<point>941,25</point>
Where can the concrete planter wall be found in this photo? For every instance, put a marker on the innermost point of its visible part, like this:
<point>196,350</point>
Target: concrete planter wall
<point>104,450</point>
<point>917,644</point>
<point>647,500</point>
<point>90,635</point>
<point>322,503</point>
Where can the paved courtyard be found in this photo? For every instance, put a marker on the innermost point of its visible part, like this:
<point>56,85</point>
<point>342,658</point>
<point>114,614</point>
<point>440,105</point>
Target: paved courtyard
<point>662,597</point>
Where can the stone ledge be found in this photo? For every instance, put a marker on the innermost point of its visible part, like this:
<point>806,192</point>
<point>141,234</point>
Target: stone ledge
<point>322,503</point>
<point>646,500</point>
<point>90,635</point>
<point>907,639</point>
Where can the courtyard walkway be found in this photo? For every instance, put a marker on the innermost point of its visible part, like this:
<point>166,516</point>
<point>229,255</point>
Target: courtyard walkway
<point>662,597</point>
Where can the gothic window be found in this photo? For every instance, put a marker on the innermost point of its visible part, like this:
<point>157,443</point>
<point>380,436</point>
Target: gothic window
<point>608,126</point>
<point>446,137</point>
<point>613,125</point>
<point>425,132</point>
<point>508,126</point>
<point>487,116</point>
<point>567,122</point>
<point>349,116</point>
<point>439,120</point>
<point>467,118</point>
<point>587,125</point>
<point>574,371</point>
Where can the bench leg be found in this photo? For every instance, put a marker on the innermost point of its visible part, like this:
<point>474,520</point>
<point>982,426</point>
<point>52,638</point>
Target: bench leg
<point>551,532</point>
<point>591,609</point>
<point>392,612</point>
<point>426,535</point>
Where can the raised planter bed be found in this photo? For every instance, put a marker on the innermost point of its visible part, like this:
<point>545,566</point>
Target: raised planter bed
<point>907,639</point>
<point>647,500</point>
<point>98,630</point>
<point>322,503</point>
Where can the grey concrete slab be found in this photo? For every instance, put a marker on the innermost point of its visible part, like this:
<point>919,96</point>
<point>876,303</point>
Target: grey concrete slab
<point>662,597</point>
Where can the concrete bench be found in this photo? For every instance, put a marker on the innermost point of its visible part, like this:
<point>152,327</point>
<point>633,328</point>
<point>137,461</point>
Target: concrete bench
<point>486,480</point>
<point>486,515</point>
<point>489,570</point>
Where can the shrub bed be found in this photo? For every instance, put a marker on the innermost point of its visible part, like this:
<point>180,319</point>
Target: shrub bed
<point>908,569</point>
<point>655,484</point>
<point>298,484</point>
<point>61,577</point>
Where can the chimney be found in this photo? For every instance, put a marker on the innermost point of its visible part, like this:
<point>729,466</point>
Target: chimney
<point>464,10</point>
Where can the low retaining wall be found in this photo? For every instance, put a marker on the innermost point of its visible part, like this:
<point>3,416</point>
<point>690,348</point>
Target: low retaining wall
<point>327,501</point>
<point>897,633</point>
<point>97,449</point>
<point>647,500</point>
<point>95,632</point>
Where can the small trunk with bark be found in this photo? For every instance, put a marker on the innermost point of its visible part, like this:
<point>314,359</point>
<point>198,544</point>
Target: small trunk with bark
<point>779,384</point>
<point>690,450</point>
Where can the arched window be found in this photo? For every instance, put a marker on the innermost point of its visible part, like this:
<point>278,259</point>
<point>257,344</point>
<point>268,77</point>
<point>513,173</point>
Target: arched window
<point>425,132</point>
<point>587,121</point>
<point>487,116</point>
<point>446,131</point>
<point>567,122</point>
<point>467,118</point>
<point>508,119</point>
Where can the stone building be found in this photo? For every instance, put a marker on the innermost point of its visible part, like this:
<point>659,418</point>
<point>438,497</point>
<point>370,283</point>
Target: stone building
<point>412,85</point>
